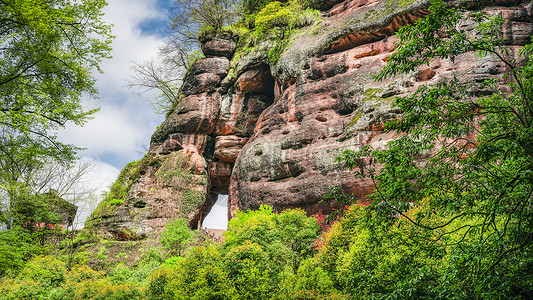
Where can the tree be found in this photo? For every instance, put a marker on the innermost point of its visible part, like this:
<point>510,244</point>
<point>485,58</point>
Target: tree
<point>161,76</point>
<point>48,51</point>
<point>463,157</point>
<point>176,237</point>
<point>69,183</point>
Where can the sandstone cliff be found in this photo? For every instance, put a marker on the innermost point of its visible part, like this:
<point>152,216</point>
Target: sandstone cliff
<point>266,129</point>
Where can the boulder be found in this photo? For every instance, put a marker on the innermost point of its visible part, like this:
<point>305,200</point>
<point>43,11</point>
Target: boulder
<point>215,65</point>
<point>194,114</point>
<point>218,43</point>
<point>219,47</point>
<point>197,84</point>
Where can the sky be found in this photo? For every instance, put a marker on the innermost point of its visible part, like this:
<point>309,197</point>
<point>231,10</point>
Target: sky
<point>218,215</point>
<point>120,132</point>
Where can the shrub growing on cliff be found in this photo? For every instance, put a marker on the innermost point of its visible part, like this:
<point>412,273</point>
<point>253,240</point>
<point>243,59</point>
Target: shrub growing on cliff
<point>274,14</point>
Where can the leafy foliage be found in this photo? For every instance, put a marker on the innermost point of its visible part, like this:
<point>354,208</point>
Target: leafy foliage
<point>16,246</point>
<point>46,277</point>
<point>49,49</point>
<point>276,21</point>
<point>177,236</point>
<point>253,6</point>
<point>451,217</point>
<point>253,262</point>
<point>463,151</point>
<point>274,14</point>
<point>291,231</point>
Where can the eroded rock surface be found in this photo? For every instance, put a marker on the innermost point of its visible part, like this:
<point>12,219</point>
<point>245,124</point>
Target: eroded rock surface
<point>327,101</point>
<point>159,188</point>
<point>268,133</point>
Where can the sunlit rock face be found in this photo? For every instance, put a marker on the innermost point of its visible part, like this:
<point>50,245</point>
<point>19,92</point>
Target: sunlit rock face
<point>327,101</point>
<point>268,132</point>
<point>277,127</point>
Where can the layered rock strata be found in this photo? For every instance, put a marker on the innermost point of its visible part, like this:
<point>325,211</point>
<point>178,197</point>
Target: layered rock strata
<point>268,132</point>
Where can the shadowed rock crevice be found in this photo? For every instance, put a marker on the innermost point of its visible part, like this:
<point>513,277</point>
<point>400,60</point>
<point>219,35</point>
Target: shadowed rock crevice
<point>241,107</point>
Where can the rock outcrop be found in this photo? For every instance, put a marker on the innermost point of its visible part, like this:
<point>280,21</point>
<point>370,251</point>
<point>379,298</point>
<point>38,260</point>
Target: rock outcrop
<point>152,192</point>
<point>268,132</point>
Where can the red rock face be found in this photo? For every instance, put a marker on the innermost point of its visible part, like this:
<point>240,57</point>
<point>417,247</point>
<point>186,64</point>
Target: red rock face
<point>195,114</point>
<point>273,139</point>
<point>220,44</point>
<point>332,103</point>
<point>228,147</point>
<point>276,138</point>
<point>257,80</point>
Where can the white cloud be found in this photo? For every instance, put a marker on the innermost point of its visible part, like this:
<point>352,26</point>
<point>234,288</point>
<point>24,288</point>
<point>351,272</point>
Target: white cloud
<point>101,176</point>
<point>98,181</point>
<point>114,130</point>
<point>130,43</point>
<point>122,128</point>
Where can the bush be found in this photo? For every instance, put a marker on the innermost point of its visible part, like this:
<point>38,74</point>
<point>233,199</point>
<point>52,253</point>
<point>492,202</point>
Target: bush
<point>36,280</point>
<point>274,14</point>
<point>45,270</point>
<point>139,275</point>
<point>250,272</point>
<point>313,278</point>
<point>176,237</point>
<point>199,275</point>
<point>45,277</point>
<point>287,237</point>
<point>260,246</point>
<point>16,246</point>
<point>121,274</point>
<point>253,6</point>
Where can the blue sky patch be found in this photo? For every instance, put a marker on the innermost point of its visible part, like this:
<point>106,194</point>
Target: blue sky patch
<point>159,26</point>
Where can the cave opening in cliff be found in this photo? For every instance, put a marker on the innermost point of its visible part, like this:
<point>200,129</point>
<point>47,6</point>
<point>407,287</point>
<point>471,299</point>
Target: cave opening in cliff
<point>217,218</point>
